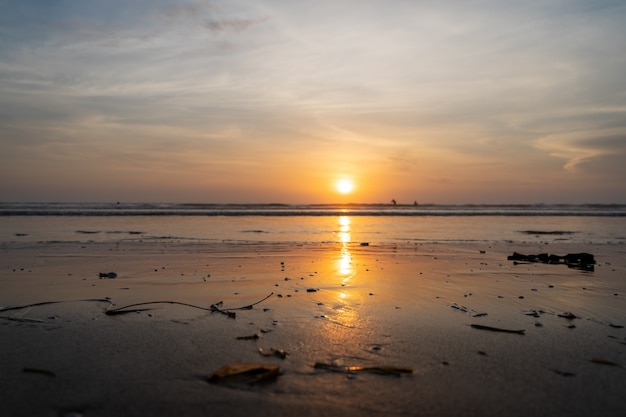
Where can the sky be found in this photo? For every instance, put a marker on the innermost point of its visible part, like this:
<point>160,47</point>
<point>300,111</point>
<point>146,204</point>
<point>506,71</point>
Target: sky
<point>265,101</point>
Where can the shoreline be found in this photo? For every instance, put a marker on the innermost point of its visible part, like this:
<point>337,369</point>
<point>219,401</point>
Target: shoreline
<point>404,305</point>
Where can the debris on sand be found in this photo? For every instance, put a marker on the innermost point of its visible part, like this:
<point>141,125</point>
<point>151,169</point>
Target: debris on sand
<point>255,336</point>
<point>240,375</point>
<point>40,371</point>
<point>213,308</point>
<point>279,353</point>
<point>602,361</point>
<point>581,260</point>
<point>497,329</point>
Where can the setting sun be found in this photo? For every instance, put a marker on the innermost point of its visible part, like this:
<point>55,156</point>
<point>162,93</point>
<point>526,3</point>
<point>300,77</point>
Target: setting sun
<point>344,186</point>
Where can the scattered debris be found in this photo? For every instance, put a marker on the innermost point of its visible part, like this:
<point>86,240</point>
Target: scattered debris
<point>109,275</point>
<point>581,260</point>
<point>244,374</point>
<point>279,353</point>
<point>214,308</point>
<point>460,308</point>
<point>497,329</point>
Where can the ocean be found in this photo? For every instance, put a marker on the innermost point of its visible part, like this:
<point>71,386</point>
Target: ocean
<point>318,223</point>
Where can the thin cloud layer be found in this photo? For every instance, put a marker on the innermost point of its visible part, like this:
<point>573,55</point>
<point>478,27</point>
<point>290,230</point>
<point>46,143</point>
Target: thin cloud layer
<point>252,101</point>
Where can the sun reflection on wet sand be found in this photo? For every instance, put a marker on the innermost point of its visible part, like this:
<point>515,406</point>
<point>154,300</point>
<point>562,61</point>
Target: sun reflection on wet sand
<point>343,308</point>
<point>345,258</point>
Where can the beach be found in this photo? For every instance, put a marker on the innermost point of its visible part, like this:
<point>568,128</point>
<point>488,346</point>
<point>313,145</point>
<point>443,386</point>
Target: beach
<point>350,319</point>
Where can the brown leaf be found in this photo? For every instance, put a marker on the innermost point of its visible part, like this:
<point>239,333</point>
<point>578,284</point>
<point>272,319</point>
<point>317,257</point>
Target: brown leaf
<point>244,374</point>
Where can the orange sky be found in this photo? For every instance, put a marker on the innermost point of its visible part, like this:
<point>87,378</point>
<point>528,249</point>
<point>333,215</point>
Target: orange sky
<point>269,101</point>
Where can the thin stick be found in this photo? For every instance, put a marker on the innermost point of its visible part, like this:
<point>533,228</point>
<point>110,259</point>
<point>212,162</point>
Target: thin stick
<point>212,308</point>
<point>496,329</point>
<point>248,307</point>
<point>115,311</point>
<point>53,302</point>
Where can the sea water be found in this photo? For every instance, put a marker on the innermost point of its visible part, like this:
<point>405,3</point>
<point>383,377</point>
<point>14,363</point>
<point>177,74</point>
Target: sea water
<point>299,224</point>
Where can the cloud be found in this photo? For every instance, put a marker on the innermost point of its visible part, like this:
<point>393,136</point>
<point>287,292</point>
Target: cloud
<point>413,89</point>
<point>593,152</point>
<point>207,15</point>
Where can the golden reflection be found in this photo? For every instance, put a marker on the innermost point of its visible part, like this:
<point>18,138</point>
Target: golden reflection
<point>345,258</point>
<point>341,311</point>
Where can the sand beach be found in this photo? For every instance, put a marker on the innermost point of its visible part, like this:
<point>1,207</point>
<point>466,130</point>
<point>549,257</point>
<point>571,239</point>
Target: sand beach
<point>348,317</point>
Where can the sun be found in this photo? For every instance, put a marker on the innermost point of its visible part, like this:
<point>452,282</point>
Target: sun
<point>344,186</point>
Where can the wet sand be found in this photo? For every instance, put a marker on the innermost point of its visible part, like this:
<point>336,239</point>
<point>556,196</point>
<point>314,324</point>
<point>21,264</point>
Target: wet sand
<point>408,305</point>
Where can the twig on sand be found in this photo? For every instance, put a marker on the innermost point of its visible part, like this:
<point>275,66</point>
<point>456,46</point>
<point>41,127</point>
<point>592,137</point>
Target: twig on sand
<point>603,361</point>
<point>213,308</point>
<point>497,329</point>
<point>43,303</point>
<point>249,306</point>
<point>99,300</point>
<point>127,309</point>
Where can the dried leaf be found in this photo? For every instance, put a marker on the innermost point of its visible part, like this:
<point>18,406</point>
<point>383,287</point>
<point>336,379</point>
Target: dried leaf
<point>244,374</point>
